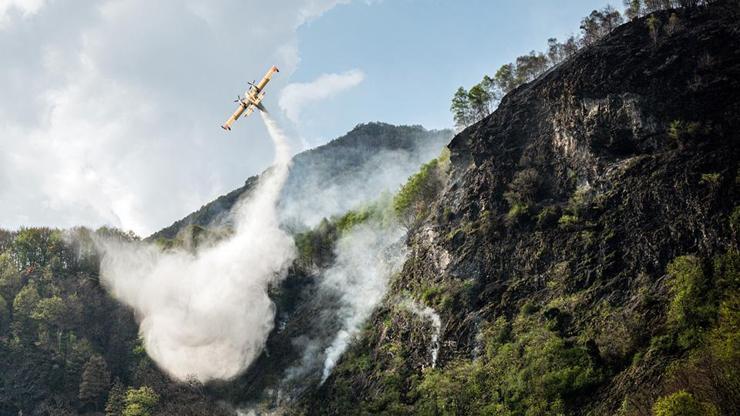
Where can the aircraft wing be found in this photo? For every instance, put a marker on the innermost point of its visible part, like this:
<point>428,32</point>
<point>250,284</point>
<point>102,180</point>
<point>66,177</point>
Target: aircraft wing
<point>242,109</point>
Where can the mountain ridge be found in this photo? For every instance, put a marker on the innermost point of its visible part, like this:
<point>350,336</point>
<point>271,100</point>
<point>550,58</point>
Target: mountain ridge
<point>574,253</point>
<point>348,151</point>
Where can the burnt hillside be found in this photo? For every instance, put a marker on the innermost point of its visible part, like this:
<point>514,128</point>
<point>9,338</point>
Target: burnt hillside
<point>583,252</point>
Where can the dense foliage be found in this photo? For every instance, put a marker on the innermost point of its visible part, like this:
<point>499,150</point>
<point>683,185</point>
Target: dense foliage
<point>66,347</point>
<point>527,369</point>
<point>416,196</point>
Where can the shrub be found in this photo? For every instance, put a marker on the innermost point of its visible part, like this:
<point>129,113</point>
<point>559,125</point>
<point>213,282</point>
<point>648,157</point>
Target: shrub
<point>663,343</point>
<point>710,178</point>
<point>580,200</point>
<point>567,221</point>
<point>431,293</point>
<point>517,212</point>
<point>140,402</point>
<point>523,188</point>
<point>653,24</point>
<point>726,272</point>
<point>413,199</point>
<point>529,308</point>
<point>679,129</point>
<point>682,403</point>
<point>547,217</point>
<point>692,307</point>
<point>674,24</point>
<point>352,219</point>
<point>526,369</point>
<point>735,219</point>
<point>713,366</point>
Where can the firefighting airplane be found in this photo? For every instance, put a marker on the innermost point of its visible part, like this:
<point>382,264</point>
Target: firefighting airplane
<point>252,98</point>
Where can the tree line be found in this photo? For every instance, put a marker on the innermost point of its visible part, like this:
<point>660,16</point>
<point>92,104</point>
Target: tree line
<point>470,106</point>
<point>66,346</point>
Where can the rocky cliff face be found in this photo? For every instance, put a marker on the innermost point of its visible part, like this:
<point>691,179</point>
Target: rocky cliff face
<point>562,210</point>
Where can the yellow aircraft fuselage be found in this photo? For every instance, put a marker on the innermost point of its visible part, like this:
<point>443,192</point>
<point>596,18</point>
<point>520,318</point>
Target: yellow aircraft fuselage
<point>252,98</point>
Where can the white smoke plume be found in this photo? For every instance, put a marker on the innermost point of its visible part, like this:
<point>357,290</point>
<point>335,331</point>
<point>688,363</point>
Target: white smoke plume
<point>206,314</point>
<point>366,259</point>
<point>316,190</point>
<point>427,313</point>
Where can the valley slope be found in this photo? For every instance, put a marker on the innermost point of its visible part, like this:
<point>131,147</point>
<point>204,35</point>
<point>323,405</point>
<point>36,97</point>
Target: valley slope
<point>582,253</point>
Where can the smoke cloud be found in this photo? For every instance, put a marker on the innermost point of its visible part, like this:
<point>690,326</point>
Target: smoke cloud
<point>366,259</point>
<point>342,178</point>
<point>206,314</point>
<point>428,314</point>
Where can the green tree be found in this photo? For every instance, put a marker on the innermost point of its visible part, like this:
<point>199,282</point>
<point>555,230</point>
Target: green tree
<point>599,23</point>
<point>56,317</point>
<point>570,46</point>
<point>116,400</point>
<point>653,24</point>
<point>632,9</point>
<point>682,403</point>
<point>4,316</point>
<point>50,314</point>
<point>611,19</point>
<point>655,5</point>
<point>529,67</point>
<point>23,306</point>
<point>95,381</point>
<point>489,84</point>
<point>591,27</point>
<point>413,199</point>
<point>36,246</point>
<point>10,279</point>
<point>674,24</point>
<point>505,78</point>
<point>480,101</point>
<point>140,402</point>
<point>461,110</point>
<point>692,306</point>
<point>555,51</point>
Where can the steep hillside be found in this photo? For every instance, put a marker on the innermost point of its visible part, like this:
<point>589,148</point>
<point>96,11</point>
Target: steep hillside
<point>573,253</point>
<point>67,347</point>
<point>582,254</point>
<point>338,176</point>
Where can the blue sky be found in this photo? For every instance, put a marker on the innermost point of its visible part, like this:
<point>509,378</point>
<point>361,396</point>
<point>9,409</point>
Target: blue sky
<point>111,109</point>
<point>415,53</point>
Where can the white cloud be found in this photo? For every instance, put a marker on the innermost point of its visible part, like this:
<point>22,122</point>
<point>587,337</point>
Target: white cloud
<point>295,97</point>
<point>26,8</point>
<point>110,110</point>
<point>192,324</point>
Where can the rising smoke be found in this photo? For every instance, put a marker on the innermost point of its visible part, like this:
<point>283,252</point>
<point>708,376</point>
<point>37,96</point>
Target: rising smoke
<point>206,314</point>
<point>355,170</point>
<point>428,314</point>
<point>366,258</point>
<point>346,293</point>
